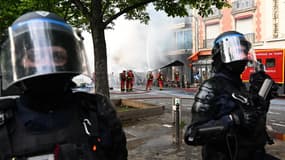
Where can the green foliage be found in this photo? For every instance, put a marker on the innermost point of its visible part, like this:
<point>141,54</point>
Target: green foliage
<point>111,9</point>
<point>8,13</point>
<point>10,10</point>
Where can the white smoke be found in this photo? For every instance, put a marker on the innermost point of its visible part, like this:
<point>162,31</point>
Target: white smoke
<point>136,46</point>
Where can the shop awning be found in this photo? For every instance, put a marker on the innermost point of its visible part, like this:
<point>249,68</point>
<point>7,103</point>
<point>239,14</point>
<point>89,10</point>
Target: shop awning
<point>174,63</point>
<point>195,56</point>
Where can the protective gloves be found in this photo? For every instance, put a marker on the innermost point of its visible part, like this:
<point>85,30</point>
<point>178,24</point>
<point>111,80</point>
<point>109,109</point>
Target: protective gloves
<point>256,80</point>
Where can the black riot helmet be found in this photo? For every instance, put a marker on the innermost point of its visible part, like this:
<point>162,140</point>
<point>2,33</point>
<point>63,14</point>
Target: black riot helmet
<point>231,50</point>
<point>41,50</point>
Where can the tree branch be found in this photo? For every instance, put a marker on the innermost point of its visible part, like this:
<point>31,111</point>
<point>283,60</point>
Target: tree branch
<point>82,8</point>
<point>125,10</point>
<point>65,10</point>
<point>106,6</point>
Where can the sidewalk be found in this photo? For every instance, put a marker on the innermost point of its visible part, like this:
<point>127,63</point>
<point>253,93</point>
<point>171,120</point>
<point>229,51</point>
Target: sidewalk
<point>153,138</point>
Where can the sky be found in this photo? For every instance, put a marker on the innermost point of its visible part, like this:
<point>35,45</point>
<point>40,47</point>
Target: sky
<point>131,45</point>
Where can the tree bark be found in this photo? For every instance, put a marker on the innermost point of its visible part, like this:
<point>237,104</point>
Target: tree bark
<point>100,51</point>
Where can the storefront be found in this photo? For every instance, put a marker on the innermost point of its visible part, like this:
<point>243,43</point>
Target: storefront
<point>201,65</point>
<point>169,70</point>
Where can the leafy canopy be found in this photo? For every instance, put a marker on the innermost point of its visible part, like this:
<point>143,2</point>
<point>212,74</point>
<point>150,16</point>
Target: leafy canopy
<point>79,13</point>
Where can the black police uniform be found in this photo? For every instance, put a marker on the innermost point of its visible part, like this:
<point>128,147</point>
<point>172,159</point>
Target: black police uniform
<point>80,126</point>
<point>224,140</point>
<point>46,119</point>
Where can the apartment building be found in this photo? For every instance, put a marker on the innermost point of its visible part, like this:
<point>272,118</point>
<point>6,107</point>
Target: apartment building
<point>179,49</point>
<point>262,22</point>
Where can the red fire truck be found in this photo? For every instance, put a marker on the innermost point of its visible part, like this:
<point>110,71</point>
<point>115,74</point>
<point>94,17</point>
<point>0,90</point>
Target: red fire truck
<point>273,59</point>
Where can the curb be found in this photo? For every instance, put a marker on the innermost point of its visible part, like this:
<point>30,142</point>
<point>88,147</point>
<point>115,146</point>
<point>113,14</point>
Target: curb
<point>126,93</point>
<point>131,92</point>
<point>153,97</point>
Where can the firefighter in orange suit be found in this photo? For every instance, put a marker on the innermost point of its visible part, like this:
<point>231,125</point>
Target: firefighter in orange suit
<point>160,79</point>
<point>149,77</point>
<point>176,77</point>
<point>133,79</point>
<point>123,79</point>
<point>130,80</point>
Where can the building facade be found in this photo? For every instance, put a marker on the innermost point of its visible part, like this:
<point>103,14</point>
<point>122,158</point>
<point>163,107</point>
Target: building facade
<point>180,49</point>
<point>262,22</point>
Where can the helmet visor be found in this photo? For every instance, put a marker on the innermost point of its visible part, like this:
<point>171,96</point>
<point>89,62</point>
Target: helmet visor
<point>233,48</point>
<point>40,47</point>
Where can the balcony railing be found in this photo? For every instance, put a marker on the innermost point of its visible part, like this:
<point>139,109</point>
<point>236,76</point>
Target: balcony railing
<point>239,5</point>
<point>179,23</point>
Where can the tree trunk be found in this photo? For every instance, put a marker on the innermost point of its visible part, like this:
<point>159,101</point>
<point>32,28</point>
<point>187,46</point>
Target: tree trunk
<point>100,59</point>
<point>100,56</point>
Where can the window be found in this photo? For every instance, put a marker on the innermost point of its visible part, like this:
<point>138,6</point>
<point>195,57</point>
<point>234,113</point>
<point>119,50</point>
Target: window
<point>270,62</point>
<point>245,25</point>
<point>212,31</point>
<point>187,39</point>
<point>242,4</point>
<point>183,39</point>
<point>250,63</point>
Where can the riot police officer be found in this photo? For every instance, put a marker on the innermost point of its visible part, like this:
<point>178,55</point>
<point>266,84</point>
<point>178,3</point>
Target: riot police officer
<point>46,119</point>
<point>229,120</point>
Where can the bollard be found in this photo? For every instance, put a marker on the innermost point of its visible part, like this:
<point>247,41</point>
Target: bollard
<point>173,112</point>
<point>177,125</point>
<point>177,120</point>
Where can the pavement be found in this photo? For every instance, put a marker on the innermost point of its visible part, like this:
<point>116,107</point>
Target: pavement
<point>154,138</point>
